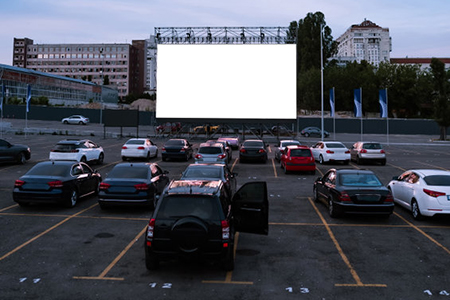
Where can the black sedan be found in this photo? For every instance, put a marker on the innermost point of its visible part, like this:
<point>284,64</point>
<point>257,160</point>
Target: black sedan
<point>253,150</point>
<point>62,182</point>
<point>14,153</point>
<point>133,183</point>
<point>177,149</point>
<point>353,191</point>
<point>211,172</point>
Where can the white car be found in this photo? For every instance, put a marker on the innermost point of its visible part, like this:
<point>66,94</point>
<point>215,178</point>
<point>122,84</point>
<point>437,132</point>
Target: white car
<point>330,152</point>
<point>279,150</point>
<point>75,119</point>
<point>139,148</point>
<point>79,150</point>
<point>425,192</point>
<point>368,151</point>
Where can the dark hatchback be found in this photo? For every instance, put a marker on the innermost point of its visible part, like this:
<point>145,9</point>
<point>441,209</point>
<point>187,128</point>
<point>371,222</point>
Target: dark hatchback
<point>353,191</point>
<point>197,220</point>
<point>253,150</point>
<point>211,172</point>
<point>14,153</point>
<point>62,182</point>
<point>177,149</point>
<point>132,184</point>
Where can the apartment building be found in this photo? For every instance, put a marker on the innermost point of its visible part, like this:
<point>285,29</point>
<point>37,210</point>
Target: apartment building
<point>366,41</point>
<point>123,64</point>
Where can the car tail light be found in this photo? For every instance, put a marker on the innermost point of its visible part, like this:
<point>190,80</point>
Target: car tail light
<point>382,151</point>
<point>150,232</point>
<point>141,148</point>
<point>347,152</point>
<point>124,147</point>
<point>104,186</point>
<point>262,151</point>
<point>19,183</point>
<point>330,152</point>
<point>225,232</point>
<point>141,186</point>
<point>163,149</point>
<point>363,151</point>
<point>344,196</point>
<point>222,156</point>
<point>55,184</point>
<point>434,194</point>
<point>183,149</point>
<point>389,198</point>
<point>243,151</point>
<point>198,156</point>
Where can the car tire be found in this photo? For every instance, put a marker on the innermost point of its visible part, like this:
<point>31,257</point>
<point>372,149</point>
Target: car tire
<point>102,205</point>
<point>285,170</point>
<point>156,153</point>
<point>151,260</point>
<point>313,172</point>
<point>124,158</point>
<point>73,199</point>
<point>100,159</point>
<point>147,158</point>
<point>228,261</point>
<point>306,134</point>
<point>83,159</point>
<point>383,162</point>
<point>65,122</point>
<point>316,195</point>
<point>415,210</point>
<point>21,159</point>
<point>189,243</point>
<point>81,123</point>
<point>321,160</point>
<point>332,209</point>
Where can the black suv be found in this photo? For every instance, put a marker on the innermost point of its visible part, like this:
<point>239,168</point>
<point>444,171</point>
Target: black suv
<point>198,219</point>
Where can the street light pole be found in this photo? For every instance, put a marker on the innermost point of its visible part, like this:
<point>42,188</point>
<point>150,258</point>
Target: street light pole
<point>321,82</point>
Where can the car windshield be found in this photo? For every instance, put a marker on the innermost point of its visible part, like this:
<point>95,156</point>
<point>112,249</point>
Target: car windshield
<point>181,206</point>
<point>372,146</point>
<point>129,172</point>
<point>49,170</point>
<point>366,180</point>
<point>135,142</point>
<point>254,144</point>
<point>284,144</point>
<point>175,143</point>
<point>300,153</point>
<point>202,173</point>
<point>442,180</point>
<point>335,145</point>
<point>210,150</point>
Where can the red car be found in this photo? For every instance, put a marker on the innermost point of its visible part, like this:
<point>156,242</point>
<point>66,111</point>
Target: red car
<point>298,158</point>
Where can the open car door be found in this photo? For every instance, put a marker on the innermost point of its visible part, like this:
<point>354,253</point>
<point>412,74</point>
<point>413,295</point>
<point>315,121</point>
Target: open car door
<point>251,208</point>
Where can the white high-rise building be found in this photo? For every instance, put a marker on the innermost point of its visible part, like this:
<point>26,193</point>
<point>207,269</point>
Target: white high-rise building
<point>366,41</point>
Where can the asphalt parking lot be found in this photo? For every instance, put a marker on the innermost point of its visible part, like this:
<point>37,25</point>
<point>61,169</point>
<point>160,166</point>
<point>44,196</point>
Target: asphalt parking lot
<point>51,252</point>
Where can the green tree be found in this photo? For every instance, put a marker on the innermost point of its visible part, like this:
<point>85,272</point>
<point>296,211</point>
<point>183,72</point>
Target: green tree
<point>440,97</point>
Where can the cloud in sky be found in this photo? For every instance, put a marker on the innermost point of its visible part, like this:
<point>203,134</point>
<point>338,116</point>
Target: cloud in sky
<point>418,28</point>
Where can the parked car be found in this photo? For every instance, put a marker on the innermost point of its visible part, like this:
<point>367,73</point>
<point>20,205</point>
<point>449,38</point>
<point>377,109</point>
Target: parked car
<point>62,182</point>
<point>283,144</point>
<point>79,150</point>
<point>298,158</point>
<point>177,149</point>
<point>233,141</point>
<point>206,129</point>
<point>226,146</point>
<point>353,191</point>
<point>198,220</point>
<point>211,172</point>
<point>75,119</point>
<point>133,184</point>
<point>425,192</point>
<point>314,131</point>
<point>168,127</point>
<point>281,130</point>
<point>139,148</point>
<point>213,153</point>
<point>368,151</point>
<point>324,152</point>
<point>253,150</point>
<point>14,153</point>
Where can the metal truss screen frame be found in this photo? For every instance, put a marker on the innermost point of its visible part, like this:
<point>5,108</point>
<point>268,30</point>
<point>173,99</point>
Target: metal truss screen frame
<point>247,81</point>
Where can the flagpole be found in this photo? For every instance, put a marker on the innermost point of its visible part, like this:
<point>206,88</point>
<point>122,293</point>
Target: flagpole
<point>334,114</point>
<point>321,82</point>
<point>360,93</point>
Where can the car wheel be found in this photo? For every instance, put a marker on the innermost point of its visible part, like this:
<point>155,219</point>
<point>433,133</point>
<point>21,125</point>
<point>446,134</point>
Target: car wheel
<point>285,170</point>
<point>306,134</point>
<point>316,195</point>
<point>72,201</point>
<point>383,162</point>
<point>228,261</point>
<point>332,209</point>
<point>83,159</point>
<point>189,243</point>
<point>148,156</point>
<point>124,158</point>
<point>156,153</point>
<point>21,159</point>
<point>65,122</point>
<point>313,172</point>
<point>415,210</point>
<point>81,123</point>
<point>321,160</point>
<point>151,260</point>
<point>100,159</point>
<point>103,206</point>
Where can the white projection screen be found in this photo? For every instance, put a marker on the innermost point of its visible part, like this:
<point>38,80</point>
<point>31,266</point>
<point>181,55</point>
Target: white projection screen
<point>246,81</point>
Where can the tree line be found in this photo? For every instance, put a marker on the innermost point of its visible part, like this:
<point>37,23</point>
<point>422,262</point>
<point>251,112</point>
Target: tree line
<point>412,91</point>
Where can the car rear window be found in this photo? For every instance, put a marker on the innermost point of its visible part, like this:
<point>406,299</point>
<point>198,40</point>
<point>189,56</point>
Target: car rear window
<point>254,144</point>
<point>442,180</point>
<point>129,172</point>
<point>285,144</point>
<point>335,145</point>
<point>66,147</point>
<point>203,207</point>
<point>202,173</point>
<point>50,170</point>
<point>300,153</point>
<point>175,143</point>
<point>210,150</point>
<point>359,180</point>
<point>372,146</point>
<point>135,142</point>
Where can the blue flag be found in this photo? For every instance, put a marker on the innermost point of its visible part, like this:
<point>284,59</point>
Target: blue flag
<point>332,102</point>
<point>3,96</point>
<point>383,103</point>
<point>357,99</point>
<point>28,97</point>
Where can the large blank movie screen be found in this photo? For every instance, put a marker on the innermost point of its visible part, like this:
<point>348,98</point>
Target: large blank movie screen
<point>226,81</point>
